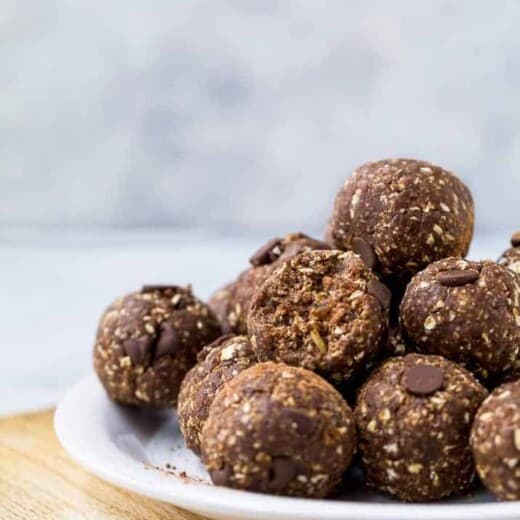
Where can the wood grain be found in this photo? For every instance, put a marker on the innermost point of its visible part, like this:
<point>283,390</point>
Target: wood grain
<point>38,480</point>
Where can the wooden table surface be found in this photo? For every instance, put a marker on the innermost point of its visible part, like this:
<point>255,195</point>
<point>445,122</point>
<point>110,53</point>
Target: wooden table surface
<point>38,480</point>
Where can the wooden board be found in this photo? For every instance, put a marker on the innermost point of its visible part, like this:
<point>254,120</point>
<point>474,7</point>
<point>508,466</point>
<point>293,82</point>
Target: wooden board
<point>38,480</point>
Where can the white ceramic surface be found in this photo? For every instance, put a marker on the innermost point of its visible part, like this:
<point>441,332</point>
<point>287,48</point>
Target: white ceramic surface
<point>130,448</point>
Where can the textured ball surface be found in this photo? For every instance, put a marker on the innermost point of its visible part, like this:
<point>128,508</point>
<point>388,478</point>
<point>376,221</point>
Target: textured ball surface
<point>466,311</point>
<point>281,430</point>
<point>147,341</point>
<point>217,363</point>
<point>495,439</point>
<point>402,214</point>
<point>414,418</point>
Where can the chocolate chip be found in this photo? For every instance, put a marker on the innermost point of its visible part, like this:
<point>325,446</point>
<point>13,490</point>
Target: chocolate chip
<point>304,424</point>
<point>153,288</point>
<point>220,477</point>
<point>380,292</point>
<point>137,348</point>
<point>365,251</point>
<point>515,239</point>
<point>168,342</point>
<point>268,253</point>
<point>457,277</point>
<point>283,470</point>
<point>423,380</point>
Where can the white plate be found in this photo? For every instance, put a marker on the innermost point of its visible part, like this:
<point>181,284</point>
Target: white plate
<point>130,448</point>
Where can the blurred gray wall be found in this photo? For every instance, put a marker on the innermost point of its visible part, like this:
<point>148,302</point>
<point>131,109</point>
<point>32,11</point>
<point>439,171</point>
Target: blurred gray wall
<point>242,115</point>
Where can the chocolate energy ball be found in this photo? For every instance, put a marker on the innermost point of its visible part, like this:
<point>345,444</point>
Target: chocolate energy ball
<point>281,430</point>
<point>321,310</point>
<point>401,214</point>
<point>148,340</point>
<point>231,303</point>
<point>217,363</point>
<point>466,311</point>
<point>495,440</point>
<point>414,418</point>
<point>511,257</point>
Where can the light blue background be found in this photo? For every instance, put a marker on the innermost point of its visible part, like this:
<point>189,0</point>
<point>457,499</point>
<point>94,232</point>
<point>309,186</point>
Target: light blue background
<point>240,115</point>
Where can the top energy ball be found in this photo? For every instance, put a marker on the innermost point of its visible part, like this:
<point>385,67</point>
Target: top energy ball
<point>401,215</point>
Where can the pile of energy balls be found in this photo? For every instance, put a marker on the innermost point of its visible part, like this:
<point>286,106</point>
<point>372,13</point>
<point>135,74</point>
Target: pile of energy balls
<point>378,344</point>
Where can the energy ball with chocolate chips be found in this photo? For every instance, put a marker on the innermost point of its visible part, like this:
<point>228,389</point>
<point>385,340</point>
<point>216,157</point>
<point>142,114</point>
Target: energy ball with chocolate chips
<point>231,303</point>
<point>495,440</point>
<point>217,363</point>
<point>281,430</point>
<point>401,214</point>
<point>511,257</point>
<point>468,312</point>
<point>321,310</point>
<point>147,341</point>
<point>414,417</point>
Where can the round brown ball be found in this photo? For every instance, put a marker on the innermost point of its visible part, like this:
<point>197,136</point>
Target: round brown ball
<point>495,440</point>
<point>466,311</point>
<point>414,418</point>
<point>321,310</point>
<point>231,303</point>
<point>403,214</point>
<point>281,430</point>
<point>511,257</point>
<point>217,363</point>
<point>147,341</point>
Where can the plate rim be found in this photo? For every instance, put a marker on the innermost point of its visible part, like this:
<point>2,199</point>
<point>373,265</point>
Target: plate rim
<point>233,503</point>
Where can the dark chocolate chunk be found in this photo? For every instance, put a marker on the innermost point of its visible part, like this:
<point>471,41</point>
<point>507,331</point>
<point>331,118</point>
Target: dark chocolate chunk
<point>457,277</point>
<point>365,251</point>
<point>220,477</point>
<point>380,292</point>
<point>304,424</point>
<point>423,380</point>
<point>168,342</point>
<point>283,470</point>
<point>515,239</point>
<point>268,253</point>
<point>137,348</point>
<point>152,288</point>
